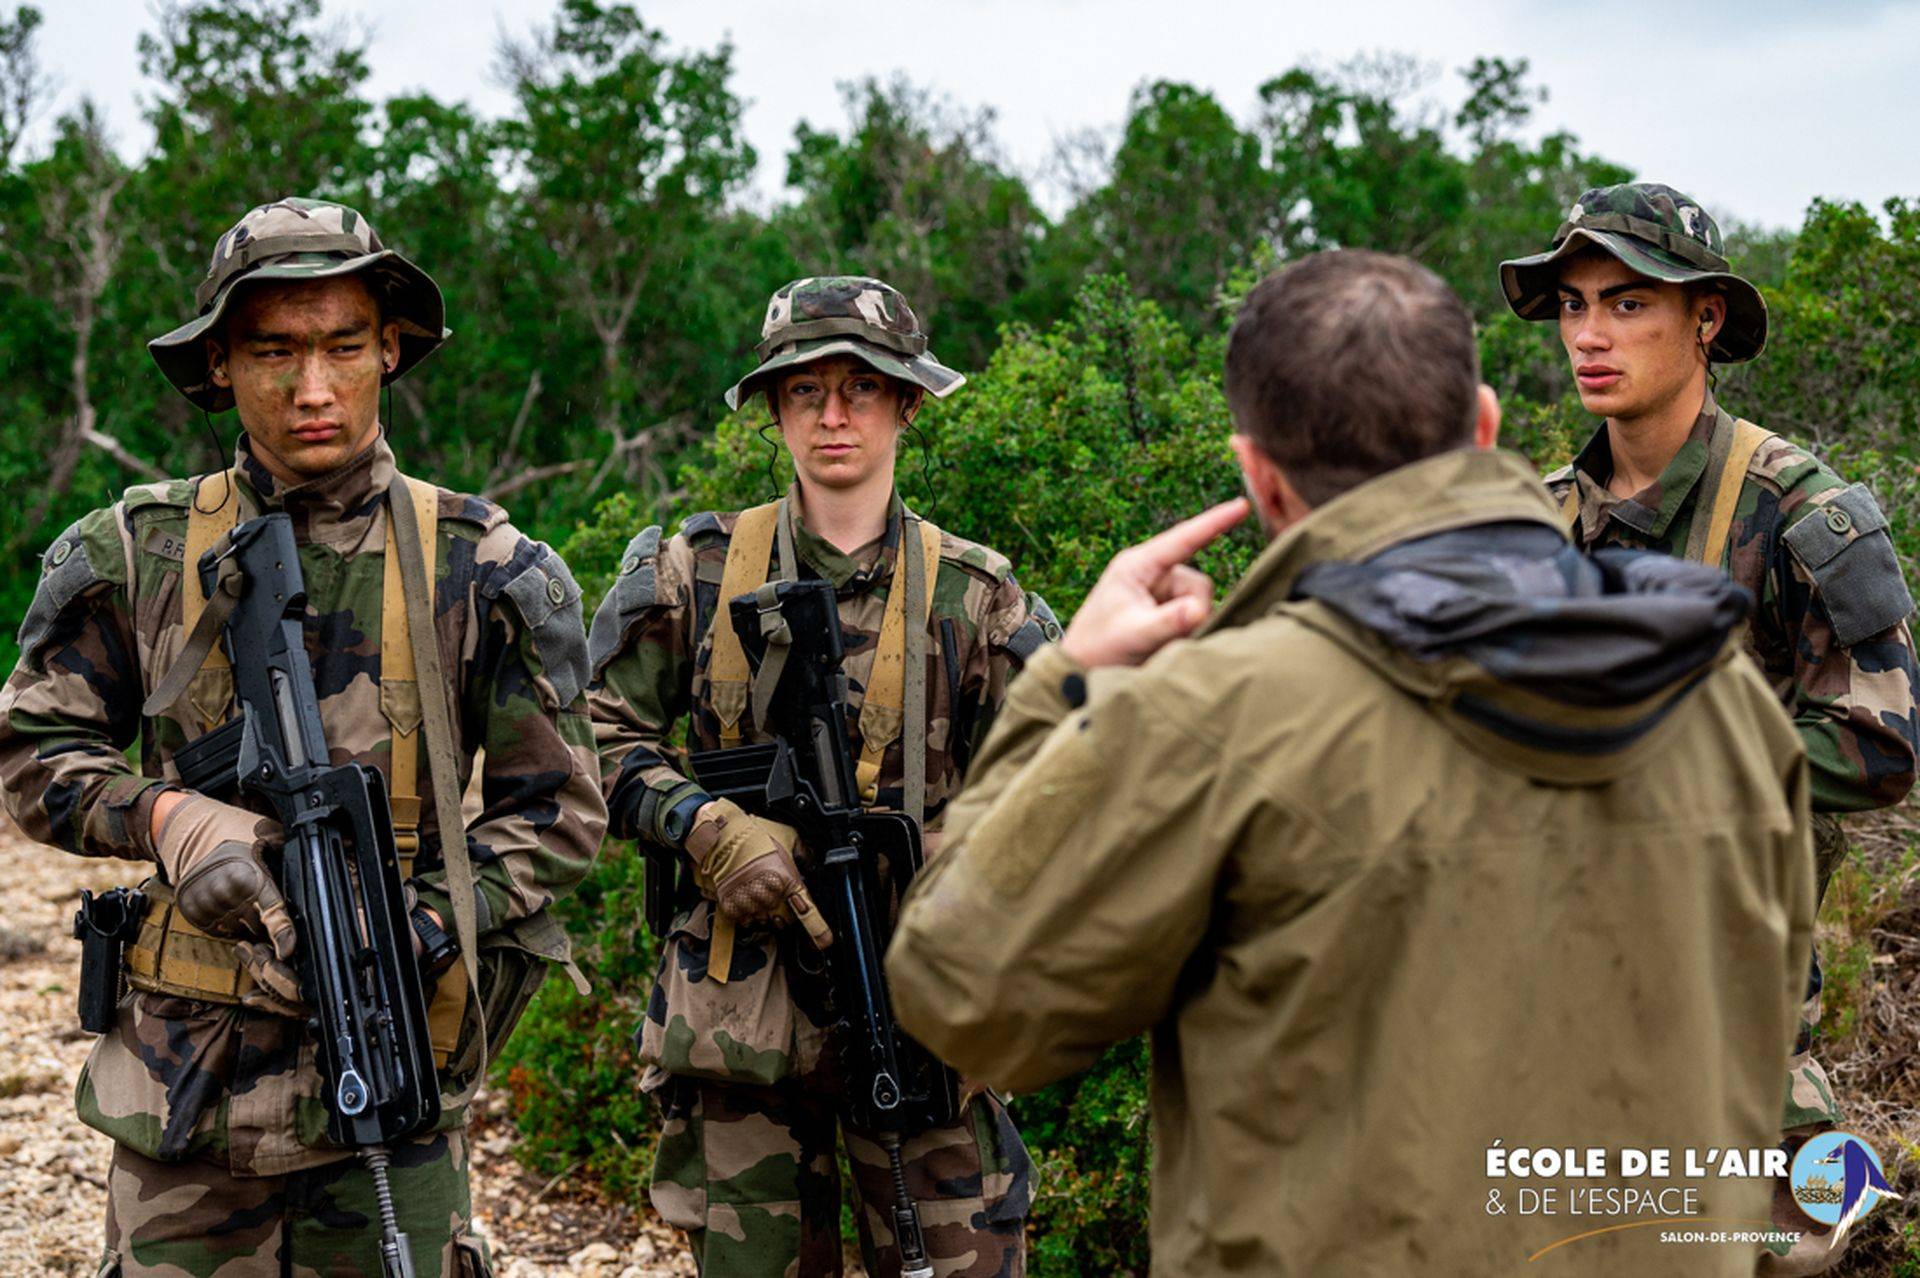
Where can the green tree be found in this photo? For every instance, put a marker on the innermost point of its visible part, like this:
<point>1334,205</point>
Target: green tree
<point>22,85</point>
<point>916,193</point>
<point>1187,201</point>
<point>626,155</point>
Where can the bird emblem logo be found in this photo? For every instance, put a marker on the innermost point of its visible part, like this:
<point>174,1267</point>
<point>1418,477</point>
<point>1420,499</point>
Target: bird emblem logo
<point>1838,1178</point>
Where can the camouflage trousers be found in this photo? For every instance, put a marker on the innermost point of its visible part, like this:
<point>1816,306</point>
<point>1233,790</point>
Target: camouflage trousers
<point>193,1220</point>
<point>749,1174</point>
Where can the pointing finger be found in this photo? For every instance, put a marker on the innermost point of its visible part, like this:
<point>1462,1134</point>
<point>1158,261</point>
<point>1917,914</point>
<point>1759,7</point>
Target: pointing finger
<point>1190,536</point>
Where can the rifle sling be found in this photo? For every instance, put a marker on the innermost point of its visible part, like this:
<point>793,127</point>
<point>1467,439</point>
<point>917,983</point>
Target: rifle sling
<point>202,643</point>
<point>918,605</point>
<point>437,721</point>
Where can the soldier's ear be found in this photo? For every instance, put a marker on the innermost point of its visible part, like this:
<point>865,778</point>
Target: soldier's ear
<point>1712,315</point>
<point>217,365</point>
<point>390,345</point>
<point>1486,417</point>
<point>911,397</point>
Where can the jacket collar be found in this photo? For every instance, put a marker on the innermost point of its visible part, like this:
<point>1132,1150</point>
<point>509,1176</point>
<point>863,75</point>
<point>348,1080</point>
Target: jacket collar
<point>1653,509</point>
<point>1438,494</point>
<point>848,574</point>
<point>337,509</point>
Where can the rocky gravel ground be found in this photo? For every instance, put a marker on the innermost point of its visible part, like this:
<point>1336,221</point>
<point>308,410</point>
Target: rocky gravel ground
<point>52,1169</point>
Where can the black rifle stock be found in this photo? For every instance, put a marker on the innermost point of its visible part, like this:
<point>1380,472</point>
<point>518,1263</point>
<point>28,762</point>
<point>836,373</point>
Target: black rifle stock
<point>805,778</point>
<point>338,868</point>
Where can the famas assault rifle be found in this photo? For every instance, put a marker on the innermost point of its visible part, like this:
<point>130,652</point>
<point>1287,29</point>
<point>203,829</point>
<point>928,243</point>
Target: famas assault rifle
<point>338,868</point>
<point>805,778</point>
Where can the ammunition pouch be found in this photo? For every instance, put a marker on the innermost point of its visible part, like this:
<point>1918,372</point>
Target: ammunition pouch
<point>168,955</point>
<point>171,956</point>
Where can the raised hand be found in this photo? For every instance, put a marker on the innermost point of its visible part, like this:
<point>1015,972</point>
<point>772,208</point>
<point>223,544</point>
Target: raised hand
<point>1149,595</point>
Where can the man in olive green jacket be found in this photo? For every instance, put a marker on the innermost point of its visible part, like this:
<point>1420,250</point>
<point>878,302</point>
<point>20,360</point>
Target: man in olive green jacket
<point>1438,843</point>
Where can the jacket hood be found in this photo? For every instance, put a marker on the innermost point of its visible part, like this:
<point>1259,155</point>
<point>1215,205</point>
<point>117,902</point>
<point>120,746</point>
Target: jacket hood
<point>1547,660</point>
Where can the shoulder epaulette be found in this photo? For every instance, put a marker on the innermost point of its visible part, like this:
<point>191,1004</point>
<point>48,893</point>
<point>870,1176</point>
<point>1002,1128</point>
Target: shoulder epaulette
<point>706,523</point>
<point>1785,465</point>
<point>984,560</point>
<point>466,508</point>
<point>165,492</point>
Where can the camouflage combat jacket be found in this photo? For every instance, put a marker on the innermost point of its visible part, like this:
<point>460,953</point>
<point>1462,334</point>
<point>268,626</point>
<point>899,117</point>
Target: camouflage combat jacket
<point>104,629</point>
<point>650,648</point>
<point>1829,627</point>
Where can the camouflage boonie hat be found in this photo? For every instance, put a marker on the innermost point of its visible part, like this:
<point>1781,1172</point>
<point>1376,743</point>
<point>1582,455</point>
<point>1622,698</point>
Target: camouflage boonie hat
<point>1657,232</point>
<point>300,240</point>
<point>845,315</point>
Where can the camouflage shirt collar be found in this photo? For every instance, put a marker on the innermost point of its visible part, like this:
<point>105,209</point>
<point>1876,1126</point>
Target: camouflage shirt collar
<point>848,573</point>
<point>1652,510</point>
<point>336,509</point>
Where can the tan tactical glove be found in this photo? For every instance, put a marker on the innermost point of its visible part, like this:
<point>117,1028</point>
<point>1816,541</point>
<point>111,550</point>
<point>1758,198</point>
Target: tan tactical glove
<point>212,853</point>
<point>745,863</point>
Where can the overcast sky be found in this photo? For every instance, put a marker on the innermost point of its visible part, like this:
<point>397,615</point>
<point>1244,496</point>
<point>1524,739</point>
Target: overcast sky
<point>1753,108</point>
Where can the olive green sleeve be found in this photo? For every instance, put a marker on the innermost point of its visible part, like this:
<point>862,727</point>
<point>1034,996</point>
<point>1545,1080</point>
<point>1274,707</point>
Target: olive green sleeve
<point>1076,881</point>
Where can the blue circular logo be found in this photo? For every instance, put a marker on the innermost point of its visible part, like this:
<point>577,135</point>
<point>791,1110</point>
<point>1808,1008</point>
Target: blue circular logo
<point>1837,1175</point>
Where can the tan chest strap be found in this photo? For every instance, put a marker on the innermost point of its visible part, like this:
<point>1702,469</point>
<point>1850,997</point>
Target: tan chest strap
<point>210,691</point>
<point>1727,461</point>
<point>211,688</point>
<point>749,560</point>
<point>399,682</point>
<point>900,652</point>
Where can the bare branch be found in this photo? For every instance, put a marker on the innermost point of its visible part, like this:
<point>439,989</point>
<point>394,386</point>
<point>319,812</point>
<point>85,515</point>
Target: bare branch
<point>510,450</point>
<point>116,450</point>
<point>500,492</point>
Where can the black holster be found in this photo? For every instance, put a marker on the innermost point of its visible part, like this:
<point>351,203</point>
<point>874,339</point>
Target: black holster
<point>103,926</point>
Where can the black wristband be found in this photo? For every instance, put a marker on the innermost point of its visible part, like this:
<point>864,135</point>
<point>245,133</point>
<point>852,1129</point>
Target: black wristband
<point>437,949</point>
<point>678,821</point>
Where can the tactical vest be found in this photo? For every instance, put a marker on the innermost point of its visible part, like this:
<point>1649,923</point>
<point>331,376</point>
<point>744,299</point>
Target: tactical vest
<point>170,955</point>
<point>896,696</point>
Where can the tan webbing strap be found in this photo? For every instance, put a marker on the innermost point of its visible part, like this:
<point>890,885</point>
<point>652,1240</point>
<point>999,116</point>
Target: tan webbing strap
<point>203,641</point>
<point>883,707</point>
<point>1707,540</point>
<point>437,721</point>
<point>1570,509</point>
<point>749,555</point>
<point>204,527</point>
<point>399,685</point>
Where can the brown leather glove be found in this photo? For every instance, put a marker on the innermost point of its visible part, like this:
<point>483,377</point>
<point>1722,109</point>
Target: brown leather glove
<point>745,864</point>
<point>212,853</point>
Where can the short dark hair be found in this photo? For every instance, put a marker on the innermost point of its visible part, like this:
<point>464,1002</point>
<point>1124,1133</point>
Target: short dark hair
<point>1350,363</point>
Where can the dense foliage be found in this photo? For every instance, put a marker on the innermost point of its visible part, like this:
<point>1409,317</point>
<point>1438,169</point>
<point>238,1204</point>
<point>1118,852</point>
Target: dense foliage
<point>604,279</point>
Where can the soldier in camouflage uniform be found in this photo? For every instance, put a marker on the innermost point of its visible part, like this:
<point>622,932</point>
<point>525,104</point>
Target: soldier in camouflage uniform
<point>740,1060</point>
<point>208,1084</point>
<point>1646,303</point>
